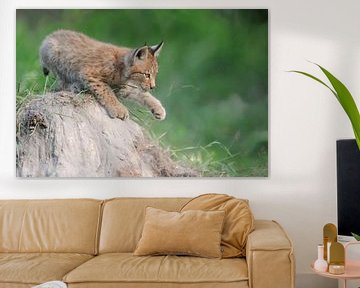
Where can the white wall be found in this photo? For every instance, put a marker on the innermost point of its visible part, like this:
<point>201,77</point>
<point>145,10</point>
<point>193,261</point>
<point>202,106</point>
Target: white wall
<point>305,121</point>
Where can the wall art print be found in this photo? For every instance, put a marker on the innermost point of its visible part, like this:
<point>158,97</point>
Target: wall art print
<point>142,93</point>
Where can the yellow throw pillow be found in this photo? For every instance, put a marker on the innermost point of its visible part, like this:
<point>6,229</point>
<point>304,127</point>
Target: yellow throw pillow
<point>193,232</point>
<point>239,220</point>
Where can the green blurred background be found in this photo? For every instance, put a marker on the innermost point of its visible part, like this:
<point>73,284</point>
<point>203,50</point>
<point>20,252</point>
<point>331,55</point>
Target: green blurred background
<point>213,77</point>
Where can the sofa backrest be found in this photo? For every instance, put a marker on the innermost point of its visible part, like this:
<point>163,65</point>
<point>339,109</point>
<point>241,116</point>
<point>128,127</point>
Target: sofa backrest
<point>123,220</point>
<point>67,226</point>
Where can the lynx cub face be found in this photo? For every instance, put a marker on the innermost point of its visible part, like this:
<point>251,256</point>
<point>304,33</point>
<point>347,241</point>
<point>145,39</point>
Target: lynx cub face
<point>143,67</point>
<point>80,62</point>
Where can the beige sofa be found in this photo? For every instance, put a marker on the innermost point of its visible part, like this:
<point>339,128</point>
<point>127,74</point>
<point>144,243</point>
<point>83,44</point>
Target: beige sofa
<point>89,243</point>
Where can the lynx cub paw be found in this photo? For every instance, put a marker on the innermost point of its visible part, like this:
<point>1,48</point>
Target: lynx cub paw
<point>118,112</point>
<point>158,112</point>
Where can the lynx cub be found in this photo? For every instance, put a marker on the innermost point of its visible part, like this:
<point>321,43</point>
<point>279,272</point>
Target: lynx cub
<point>80,62</point>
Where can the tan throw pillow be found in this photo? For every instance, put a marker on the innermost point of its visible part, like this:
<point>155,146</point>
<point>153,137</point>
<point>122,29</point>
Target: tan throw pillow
<point>239,220</point>
<point>196,233</point>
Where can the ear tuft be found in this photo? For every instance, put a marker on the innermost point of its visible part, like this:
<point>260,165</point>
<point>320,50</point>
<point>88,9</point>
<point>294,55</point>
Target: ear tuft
<point>155,50</point>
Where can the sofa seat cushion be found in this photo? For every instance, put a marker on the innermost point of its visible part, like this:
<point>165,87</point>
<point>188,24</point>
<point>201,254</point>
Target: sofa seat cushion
<point>36,268</point>
<point>127,268</point>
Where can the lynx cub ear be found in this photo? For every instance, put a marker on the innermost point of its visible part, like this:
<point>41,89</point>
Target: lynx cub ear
<point>140,53</point>
<point>155,50</point>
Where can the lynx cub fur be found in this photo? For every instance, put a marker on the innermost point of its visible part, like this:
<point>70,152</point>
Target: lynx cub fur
<point>82,63</point>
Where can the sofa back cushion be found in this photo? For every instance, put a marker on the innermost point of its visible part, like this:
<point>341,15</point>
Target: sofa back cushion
<point>238,224</point>
<point>66,226</point>
<point>193,232</point>
<point>123,220</point>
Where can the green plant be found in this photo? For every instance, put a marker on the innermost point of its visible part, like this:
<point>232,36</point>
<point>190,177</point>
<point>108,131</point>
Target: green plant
<point>344,97</point>
<point>356,236</point>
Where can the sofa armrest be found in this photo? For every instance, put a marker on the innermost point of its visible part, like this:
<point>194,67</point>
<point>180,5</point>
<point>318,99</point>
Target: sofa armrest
<point>269,256</point>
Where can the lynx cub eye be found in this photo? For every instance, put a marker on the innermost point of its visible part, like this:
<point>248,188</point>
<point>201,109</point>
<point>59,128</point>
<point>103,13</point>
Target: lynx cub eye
<point>147,75</point>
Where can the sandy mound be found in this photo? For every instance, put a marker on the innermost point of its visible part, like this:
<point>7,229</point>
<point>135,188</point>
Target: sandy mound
<point>65,135</point>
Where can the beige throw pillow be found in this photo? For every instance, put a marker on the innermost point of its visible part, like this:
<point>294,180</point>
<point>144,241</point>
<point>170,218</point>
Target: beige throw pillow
<point>193,232</point>
<point>238,223</point>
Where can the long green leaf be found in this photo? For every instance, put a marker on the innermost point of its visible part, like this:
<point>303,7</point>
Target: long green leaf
<point>357,237</point>
<point>344,97</point>
<point>316,79</point>
<point>347,102</point>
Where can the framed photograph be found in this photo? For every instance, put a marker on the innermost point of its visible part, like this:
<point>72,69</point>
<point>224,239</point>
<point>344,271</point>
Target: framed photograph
<point>142,93</point>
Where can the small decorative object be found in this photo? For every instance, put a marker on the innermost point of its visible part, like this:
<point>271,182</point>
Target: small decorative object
<point>330,236</point>
<point>336,269</point>
<point>337,258</point>
<point>328,252</point>
<point>320,264</point>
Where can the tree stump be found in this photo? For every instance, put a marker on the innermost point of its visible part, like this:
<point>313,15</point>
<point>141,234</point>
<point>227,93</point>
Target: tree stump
<point>66,135</point>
